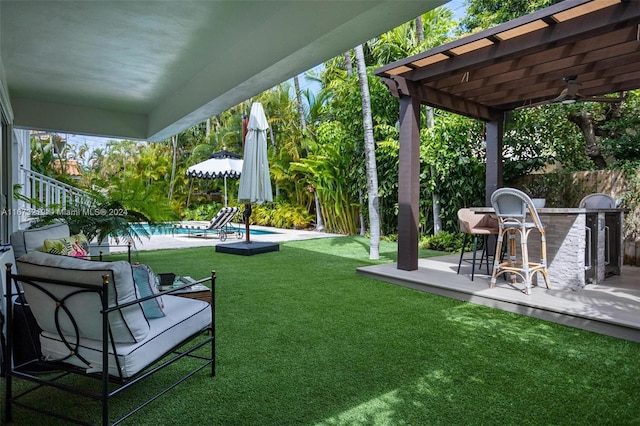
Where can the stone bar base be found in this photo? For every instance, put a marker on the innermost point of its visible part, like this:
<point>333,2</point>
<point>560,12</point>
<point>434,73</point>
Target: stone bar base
<point>573,262</point>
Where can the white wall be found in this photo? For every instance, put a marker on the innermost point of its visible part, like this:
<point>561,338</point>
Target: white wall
<point>8,158</point>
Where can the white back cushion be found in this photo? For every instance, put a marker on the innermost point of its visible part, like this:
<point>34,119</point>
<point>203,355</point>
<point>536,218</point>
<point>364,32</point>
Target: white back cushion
<point>127,324</point>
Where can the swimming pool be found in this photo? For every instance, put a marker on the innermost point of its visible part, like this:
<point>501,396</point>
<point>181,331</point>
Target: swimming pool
<point>170,229</point>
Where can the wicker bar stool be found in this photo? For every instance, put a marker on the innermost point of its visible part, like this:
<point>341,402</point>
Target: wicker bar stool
<point>511,206</point>
<point>477,225</point>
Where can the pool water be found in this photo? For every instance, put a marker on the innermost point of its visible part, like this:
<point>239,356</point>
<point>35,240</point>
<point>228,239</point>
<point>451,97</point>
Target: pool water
<point>169,229</point>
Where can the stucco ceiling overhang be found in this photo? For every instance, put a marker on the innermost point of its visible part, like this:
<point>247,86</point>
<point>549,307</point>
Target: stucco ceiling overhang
<point>150,69</point>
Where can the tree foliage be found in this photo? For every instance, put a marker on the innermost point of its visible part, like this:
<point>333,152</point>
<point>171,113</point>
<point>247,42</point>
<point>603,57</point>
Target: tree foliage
<point>483,14</point>
<point>453,148</point>
<point>325,169</point>
<point>328,157</point>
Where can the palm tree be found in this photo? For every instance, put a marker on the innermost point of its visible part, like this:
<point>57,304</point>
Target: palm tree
<point>303,125</point>
<point>174,163</point>
<point>435,197</point>
<point>370,155</point>
<point>348,66</point>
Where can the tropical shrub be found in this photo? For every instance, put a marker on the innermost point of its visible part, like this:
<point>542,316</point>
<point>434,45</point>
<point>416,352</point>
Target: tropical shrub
<point>281,214</point>
<point>201,212</point>
<point>442,241</point>
<point>452,166</point>
<point>330,171</point>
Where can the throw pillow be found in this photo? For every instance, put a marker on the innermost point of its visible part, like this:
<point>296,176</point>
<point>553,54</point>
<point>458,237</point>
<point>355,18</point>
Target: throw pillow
<point>75,246</point>
<point>147,284</point>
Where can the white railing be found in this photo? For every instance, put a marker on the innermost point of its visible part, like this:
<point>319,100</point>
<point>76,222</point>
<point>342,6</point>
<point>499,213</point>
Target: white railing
<point>42,191</point>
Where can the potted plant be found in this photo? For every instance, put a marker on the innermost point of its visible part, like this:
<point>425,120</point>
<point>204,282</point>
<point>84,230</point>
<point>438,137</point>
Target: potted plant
<point>536,188</point>
<point>98,219</point>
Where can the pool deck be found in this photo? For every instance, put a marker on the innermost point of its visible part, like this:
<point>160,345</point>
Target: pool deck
<point>276,235</point>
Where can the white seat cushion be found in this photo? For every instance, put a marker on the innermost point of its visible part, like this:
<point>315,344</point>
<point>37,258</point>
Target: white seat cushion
<point>184,317</point>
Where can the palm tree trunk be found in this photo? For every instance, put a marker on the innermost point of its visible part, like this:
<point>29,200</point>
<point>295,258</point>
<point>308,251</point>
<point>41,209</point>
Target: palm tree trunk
<point>347,63</point>
<point>174,142</point>
<point>303,122</point>
<point>419,29</point>
<point>370,156</point>
<point>435,196</point>
<point>303,126</point>
<point>363,228</point>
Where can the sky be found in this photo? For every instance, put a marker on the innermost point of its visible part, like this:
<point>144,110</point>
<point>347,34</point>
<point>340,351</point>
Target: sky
<point>93,142</point>
<point>457,7</point>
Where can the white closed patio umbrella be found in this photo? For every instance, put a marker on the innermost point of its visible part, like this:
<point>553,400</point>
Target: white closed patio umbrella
<point>222,164</point>
<point>255,182</point>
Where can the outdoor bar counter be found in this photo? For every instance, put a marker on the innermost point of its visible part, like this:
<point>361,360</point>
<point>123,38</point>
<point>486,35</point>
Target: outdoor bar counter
<point>584,246</point>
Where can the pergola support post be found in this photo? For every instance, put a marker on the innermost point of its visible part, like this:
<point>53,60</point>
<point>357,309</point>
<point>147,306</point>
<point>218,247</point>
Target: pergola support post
<point>493,173</point>
<point>409,181</point>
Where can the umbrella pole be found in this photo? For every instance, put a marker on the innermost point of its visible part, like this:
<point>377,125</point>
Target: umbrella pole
<point>189,195</point>
<point>246,214</point>
<point>225,191</point>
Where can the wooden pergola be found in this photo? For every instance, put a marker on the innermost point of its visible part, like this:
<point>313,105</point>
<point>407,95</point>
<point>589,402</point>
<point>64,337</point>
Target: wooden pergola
<point>516,64</point>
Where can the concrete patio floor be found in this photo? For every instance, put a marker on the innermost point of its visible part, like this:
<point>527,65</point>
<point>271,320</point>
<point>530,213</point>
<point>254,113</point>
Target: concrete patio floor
<point>611,308</point>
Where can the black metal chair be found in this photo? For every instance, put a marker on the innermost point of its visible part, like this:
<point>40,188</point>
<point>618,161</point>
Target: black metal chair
<point>78,319</point>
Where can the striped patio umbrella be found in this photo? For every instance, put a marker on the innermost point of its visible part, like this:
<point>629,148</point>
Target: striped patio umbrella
<point>222,164</point>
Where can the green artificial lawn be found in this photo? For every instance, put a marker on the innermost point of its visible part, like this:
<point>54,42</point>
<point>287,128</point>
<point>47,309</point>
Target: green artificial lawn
<point>303,340</point>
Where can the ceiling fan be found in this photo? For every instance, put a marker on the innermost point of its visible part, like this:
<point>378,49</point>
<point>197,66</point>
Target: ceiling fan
<point>570,94</point>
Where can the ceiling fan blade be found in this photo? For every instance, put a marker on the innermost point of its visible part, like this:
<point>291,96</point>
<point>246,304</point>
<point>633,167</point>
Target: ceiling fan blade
<point>577,98</point>
<point>531,105</point>
<point>561,97</point>
<point>601,99</point>
<point>570,94</point>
